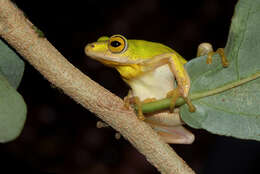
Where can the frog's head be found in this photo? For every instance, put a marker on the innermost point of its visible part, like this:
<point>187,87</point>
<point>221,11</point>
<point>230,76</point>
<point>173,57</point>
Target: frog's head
<point>111,51</point>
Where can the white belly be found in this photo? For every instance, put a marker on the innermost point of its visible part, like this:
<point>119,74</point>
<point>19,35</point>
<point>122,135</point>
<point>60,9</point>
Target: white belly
<point>154,84</point>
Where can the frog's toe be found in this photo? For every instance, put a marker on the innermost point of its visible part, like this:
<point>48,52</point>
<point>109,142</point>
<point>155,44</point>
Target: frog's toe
<point>221,53</point>
<point>224,60</point>
<point>174,94</point>
<point>127,102</point>
<point>141,116</point>
<point>209,57</point>
<point>191,107</point>
<point>138,103</point>
<point>134,100</point>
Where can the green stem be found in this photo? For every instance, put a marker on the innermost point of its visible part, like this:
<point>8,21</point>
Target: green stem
<point>165,103</point>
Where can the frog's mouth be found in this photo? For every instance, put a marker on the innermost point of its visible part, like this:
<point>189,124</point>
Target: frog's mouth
<point>112,60</point>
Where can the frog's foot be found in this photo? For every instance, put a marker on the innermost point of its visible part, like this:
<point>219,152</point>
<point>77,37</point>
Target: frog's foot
<point>139,105</point>
<point>206,49</point>
<point>175,94</point>
<point>221,52</point>
<point>140,114</point>
<point>135,100</point>
<point>128,101</point>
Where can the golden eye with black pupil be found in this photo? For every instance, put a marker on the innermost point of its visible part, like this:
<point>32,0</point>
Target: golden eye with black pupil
<point>117,44</point>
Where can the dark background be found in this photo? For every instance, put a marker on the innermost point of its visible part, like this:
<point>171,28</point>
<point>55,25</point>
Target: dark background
<point>60,136</point>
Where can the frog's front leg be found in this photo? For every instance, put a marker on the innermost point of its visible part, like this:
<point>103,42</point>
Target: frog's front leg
<point>207,49</point>
<point>179,73</point>
<point>130,99</point>
<point>183,81</point>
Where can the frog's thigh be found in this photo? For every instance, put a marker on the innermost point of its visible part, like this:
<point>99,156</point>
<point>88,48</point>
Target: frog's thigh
<point>174,135</point>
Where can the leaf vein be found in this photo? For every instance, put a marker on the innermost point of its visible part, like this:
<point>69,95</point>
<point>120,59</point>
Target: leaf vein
<point>242,40</point>
<point>227,111</point>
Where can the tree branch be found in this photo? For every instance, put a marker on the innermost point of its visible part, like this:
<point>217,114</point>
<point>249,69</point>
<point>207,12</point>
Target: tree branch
<point>21,35</point>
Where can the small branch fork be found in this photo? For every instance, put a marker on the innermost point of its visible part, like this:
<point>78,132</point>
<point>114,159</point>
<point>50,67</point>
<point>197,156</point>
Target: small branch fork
<point>21,35</point>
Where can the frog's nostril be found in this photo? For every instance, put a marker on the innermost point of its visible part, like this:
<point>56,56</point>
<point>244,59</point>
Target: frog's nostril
<point>89,47</point>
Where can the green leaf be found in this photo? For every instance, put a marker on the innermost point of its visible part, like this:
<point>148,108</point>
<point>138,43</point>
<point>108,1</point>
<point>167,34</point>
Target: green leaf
<point>11,65</point>
<point>12,111</point>
<point>12,105</point>
<point>227,99</point>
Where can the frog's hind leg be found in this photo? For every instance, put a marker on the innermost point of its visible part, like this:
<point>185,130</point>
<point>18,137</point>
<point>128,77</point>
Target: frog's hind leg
<point>174,134</point>
<point>207,49</point>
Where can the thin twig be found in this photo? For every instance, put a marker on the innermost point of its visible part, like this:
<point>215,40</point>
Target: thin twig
<point>19,33</point>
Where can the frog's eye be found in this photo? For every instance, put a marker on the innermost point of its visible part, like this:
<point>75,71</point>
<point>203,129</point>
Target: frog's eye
<point>117,44</point>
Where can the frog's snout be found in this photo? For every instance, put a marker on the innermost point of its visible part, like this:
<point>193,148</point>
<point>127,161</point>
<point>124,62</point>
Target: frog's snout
<point>96,49</point>
<point>89,47</point>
